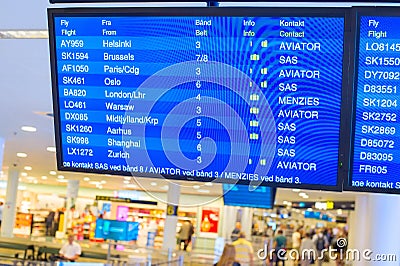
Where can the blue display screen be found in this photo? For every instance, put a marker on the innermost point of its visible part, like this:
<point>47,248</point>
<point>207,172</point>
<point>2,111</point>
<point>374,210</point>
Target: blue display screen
<point>312,215</point>
<point>376,132</point>
<point>236,98</point>
<point>116,230</point>
<point>246,196</point>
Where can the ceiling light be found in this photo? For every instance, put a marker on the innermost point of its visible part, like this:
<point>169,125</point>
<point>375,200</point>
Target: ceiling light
<point>44,177</point>
<point>86,179</point>
<point>100,187</point>
<point>62,180</point>
<point>153,184</point>
<point>131,186</point>
<point>108,175</point>
<point>35,182</point>
<point>22,155</point>
<point>53,172</point>
<point>61,177</point>
<point>203,191</point>
<point>165,187</point>
<point>285,202</point>
<point>127,178</point>
<point>28,168</point>
<point>302,194</point>
<point>306,197</point>
<point>24,34</point>
<point>28,129</point>
<point>103,181</point>
<point>196,186</point>
<point>24,174</point>
<point>296,190</point>
<point>31,178</point>
<point>94,183</point>
<point>51,149</point>
<point>208,184</point>
<point>126,182</point>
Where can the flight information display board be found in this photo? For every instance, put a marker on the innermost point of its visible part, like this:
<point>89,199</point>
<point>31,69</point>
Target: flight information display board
<point>229,94</point>
<point>375,160</point>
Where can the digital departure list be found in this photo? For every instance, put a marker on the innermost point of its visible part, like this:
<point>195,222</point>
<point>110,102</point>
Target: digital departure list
<point>249,99</point>
<point>375,158</point>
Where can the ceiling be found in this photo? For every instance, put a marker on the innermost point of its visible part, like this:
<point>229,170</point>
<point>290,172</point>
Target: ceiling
<point>26,100</point>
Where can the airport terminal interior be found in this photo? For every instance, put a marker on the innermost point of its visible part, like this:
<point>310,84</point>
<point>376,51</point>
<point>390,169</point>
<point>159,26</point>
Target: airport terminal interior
<point>80,163</point>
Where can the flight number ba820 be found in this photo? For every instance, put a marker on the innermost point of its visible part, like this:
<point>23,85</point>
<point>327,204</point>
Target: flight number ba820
<point>75,92</point>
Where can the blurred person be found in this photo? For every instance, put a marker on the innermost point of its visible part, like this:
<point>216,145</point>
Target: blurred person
<point>339,243</point>
<point>71,250</point>
<point>244,250</point>
<point>185,234</point>
<point>296,242</point>
<point>228,257</point>
<point>236,231</point>
<point>321,243</point>
<point>280,247</point>
<point>307,250</point>
<point>50,223</point>
<point>1,211</point>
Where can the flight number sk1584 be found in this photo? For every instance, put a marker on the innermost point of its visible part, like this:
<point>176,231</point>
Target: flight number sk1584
<point>74,56</point>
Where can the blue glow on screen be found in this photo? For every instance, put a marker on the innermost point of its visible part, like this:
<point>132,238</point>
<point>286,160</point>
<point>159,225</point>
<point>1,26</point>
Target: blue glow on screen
<point>230,98</point>
<point>375,157</point>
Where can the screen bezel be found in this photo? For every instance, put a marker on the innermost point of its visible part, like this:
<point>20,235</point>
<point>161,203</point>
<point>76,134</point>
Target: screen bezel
<point>357,13</point>
<point>342,160</point>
